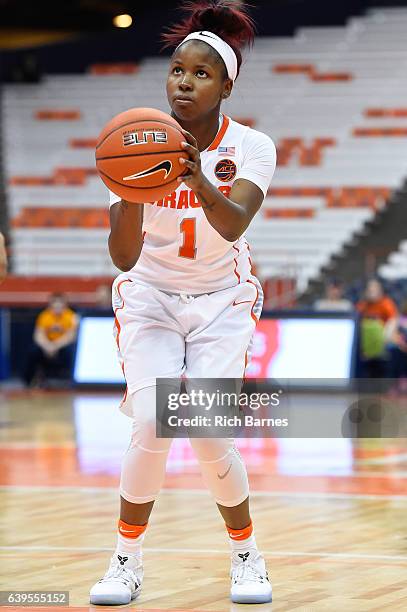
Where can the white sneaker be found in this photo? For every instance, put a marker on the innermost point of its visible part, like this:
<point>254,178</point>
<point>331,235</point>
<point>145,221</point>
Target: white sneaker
<point>120,584</point>
<point>250,582</point>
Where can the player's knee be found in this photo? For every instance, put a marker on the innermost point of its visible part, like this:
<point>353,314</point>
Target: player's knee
<point>144,436</point>
<point>212,449</point>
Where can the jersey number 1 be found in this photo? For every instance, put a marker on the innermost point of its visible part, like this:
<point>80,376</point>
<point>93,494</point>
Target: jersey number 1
<point>188,248</point>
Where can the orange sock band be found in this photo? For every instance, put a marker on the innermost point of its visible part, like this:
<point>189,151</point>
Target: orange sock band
<point>131,531</point>
<point>240,534</point>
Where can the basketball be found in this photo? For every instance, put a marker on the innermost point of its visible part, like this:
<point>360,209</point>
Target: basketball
<point>137,154</point>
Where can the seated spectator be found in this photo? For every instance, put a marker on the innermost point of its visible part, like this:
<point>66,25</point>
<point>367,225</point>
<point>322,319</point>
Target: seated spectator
<point>376,305</point>
<point>334,300</point>
<point>378,313</point>
<point>3,259</point>
<point>398,350</point>
<point>54,338</point>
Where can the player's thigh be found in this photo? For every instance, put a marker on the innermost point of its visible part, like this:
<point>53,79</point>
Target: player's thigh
<point>220,349</point>
<point>150,345</point>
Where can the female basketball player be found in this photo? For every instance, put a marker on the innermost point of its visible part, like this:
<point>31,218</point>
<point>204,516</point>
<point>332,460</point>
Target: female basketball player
<point>188,303</point>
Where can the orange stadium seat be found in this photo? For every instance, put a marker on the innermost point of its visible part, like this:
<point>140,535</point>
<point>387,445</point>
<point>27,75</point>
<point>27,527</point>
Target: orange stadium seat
<point>83,143</point>
<point>61,217</point>
<point>57,115</point>
<point>31,181</point>
<point>24,290</point>
<point>279,292</point>
<point>61,176</point>
<point>115,68</point>
<point>331,76</point>
<point>385,112</point>
<point>293,68</point>
<point>380,132</point>
<point>288,213</point>
<point>311,71</point>
<point>325,142</point>
<point>310,156</point>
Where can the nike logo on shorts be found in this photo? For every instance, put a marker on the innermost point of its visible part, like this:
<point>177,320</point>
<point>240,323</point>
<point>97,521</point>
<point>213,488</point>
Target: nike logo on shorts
<point>234,303</point>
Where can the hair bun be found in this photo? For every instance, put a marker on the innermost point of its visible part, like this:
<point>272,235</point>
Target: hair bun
<point>225,18</point>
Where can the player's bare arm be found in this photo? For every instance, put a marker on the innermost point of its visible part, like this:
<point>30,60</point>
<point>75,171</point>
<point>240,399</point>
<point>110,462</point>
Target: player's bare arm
<point>126,237</point>
<point>229,216</point>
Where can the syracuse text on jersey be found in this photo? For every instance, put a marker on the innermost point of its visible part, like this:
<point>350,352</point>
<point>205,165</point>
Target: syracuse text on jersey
<point>186,198</point>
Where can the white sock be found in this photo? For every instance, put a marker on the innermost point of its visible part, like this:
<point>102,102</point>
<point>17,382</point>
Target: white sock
<point>129,546</point>
<point>243,545</point>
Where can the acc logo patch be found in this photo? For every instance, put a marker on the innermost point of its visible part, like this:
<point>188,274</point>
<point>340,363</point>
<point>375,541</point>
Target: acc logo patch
<point>225,170</point>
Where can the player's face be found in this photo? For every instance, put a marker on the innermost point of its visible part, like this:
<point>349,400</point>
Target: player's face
<point>196,82</point>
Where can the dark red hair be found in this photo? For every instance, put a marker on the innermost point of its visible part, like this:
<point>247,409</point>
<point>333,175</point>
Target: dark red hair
<point>225,18</point>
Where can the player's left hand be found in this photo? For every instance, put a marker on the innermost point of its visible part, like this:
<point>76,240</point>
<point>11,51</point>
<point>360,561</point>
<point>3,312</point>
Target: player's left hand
<point>194,176</point>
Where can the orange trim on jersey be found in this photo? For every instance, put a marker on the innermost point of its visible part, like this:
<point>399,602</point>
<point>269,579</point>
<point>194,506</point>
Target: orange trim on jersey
<point>118,327</point>
<point>253,316</point>
<point>255,319</point>
<point>116,321</point>
<point>220,134</point>
<point>245,364</point>
<point>235,260</point>
<point>250,259</point>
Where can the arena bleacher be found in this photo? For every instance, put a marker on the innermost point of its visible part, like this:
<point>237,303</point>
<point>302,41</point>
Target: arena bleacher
<point>396,266</point>
<point>333,100</point>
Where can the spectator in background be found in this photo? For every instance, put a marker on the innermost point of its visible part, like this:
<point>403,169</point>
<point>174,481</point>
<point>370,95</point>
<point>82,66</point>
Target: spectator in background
<point>398,350</point>
<point>334,299</point>
<point>54,338</point>
<point>378,314</point>
<point>3,259</point>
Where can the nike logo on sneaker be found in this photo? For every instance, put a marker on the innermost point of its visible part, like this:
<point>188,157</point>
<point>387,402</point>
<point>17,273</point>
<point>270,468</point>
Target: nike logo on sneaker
<point>164,165</point>
<point>122,559</point>
<point>234,303</point>
<point>226,473</point>
<point>244,556</point>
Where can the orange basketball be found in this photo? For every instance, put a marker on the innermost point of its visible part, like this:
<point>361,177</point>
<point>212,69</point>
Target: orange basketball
<point>137,154</point>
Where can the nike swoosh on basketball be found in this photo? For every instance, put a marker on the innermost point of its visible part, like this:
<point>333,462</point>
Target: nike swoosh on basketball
<point>226,473</point>
<point>234,303</point>
<point>165,165</point>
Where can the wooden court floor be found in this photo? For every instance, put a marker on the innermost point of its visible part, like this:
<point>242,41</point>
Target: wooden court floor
<point>330,515</point>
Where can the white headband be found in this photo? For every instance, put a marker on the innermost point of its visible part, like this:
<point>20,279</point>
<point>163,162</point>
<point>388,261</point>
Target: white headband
<point>225,51</point>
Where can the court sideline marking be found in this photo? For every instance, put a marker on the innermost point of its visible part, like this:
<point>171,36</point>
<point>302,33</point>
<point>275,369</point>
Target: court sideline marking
<point>209,551</point>
<point>180,491</point>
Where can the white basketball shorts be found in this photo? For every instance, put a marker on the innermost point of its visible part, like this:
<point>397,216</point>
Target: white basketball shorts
<point>163,335</point>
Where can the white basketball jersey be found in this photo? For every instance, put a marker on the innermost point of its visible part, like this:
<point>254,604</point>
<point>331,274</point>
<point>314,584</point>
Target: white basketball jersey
<point>182,252</point>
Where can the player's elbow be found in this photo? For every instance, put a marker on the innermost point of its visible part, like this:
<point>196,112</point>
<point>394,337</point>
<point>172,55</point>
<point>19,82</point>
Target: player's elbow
<point>124,259</point>
<point>123,263</point>
<point>232,234</point>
